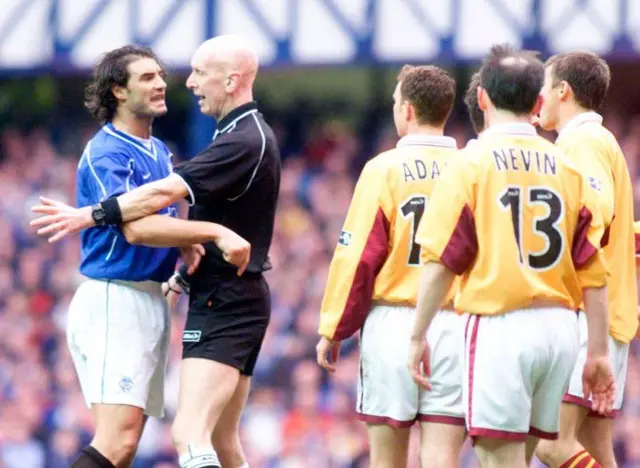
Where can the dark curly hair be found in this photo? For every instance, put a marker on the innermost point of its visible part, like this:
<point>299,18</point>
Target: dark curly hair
<point>112,70</point>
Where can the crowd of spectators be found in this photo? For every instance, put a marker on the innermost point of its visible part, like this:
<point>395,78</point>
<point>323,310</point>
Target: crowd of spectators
<point>296,416</point>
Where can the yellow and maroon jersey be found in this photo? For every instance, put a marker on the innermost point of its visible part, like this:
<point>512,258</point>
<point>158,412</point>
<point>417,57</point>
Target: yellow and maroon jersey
<point>377,257</point>
<point>518,221</point>
<point>595,151</point>
<point>636,229</point>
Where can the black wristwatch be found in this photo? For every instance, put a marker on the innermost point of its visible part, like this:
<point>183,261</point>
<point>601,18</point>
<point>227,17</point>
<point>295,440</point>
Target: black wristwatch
<point>97,214</point>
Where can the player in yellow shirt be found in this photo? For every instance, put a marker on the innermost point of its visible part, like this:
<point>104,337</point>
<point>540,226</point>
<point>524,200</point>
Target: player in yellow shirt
<point>636,230</point>
<point>373,284</point>
<point>576,84</point>
<point>523,228</point>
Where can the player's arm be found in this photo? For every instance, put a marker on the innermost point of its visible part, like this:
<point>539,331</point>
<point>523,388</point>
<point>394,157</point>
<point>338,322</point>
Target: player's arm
<point>447,236</point>
<point>598,381</point>
<point>448,241</point>
<point>166,231</point>
<point>361,251</point>
<point>591,267</point>
<point>223,170</point>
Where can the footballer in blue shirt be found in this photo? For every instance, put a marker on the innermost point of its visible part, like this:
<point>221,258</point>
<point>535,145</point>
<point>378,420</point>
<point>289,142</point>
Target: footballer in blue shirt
<point>119,320</point>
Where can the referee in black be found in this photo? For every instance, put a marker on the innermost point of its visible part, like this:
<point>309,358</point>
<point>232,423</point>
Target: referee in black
<point>233,182</point>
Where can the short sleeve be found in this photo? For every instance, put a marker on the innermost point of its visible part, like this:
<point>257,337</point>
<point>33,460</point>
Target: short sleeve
<point>112,174</point>
<point>223,170</point>
<point>361,251</point>
<point>589,237</point>
<point>447,231</point>
<point>596,167</point>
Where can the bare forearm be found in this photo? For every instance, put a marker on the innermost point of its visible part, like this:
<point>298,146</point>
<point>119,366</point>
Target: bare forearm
<point>596,310</point>
<point>435,281</point>
<point>150,198</point>
<point>164,231</point>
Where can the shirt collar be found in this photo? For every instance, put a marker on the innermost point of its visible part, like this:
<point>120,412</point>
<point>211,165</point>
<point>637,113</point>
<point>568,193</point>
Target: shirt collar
<point>228,122</point>
<point>512,128</point>
<point>581,118</point>
<point>139,143</point>
<point>427,140</point>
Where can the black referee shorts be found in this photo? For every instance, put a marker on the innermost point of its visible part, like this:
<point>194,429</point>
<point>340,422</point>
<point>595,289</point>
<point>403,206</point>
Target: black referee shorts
<point>228,323</point>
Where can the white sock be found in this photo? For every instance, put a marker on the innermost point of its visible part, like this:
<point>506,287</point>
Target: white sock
<point>244,465</point>
<point>198,457</point>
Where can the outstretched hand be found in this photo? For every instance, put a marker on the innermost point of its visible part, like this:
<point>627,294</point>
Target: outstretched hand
<point>60,219</point>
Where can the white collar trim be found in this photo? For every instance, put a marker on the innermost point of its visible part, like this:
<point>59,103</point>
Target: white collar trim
<point>233,123</point>
<point>515,128</point>
<point>583,117</point>
<point>427,140</point>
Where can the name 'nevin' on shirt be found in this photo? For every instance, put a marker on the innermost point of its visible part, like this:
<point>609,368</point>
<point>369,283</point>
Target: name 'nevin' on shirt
<point>511,159</point>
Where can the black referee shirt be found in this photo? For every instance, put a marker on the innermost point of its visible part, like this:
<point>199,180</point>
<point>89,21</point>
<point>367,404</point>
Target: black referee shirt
<point>235,182</point>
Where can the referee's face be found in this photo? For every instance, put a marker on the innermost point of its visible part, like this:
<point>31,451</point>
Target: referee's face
<point>210,83</point>
<point>145,93</point>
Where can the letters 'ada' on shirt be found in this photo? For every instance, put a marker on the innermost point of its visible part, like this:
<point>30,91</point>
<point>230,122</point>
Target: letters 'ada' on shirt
<point>595,151</point>
<point>518,221</point>
<point>377,257</point>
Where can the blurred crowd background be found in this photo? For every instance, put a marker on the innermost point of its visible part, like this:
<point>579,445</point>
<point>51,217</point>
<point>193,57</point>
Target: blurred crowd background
<point>329,72</point>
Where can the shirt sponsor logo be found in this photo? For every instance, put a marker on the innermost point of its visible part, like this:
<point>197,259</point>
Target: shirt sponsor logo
<point>345,238</point>
<point>191,336</point>
<point>595,183</point>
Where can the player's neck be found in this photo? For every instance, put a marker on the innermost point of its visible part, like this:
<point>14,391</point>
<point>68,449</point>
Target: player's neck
<point>416,129</point>
<point>133,125</point>
<point>502,117</point>
<point>567,113</point>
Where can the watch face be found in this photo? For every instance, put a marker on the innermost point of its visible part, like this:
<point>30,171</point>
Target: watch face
<point>97,214</point>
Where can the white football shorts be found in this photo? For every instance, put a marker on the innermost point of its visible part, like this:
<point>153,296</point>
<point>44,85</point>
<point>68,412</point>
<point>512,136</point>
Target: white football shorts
<point>118,336</point>
<point>386,392</point>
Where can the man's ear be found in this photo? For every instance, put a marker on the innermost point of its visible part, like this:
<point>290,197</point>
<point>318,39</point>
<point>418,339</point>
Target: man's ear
<point>119,92</point>
<point>564,91</point>
<point>483,99</point>
<point>232,82</point>
<point>409,111</point>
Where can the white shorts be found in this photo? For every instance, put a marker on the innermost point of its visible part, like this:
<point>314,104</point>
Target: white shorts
<point>618,357</point>
<point>517,369</point>
<point>118,335</point>
<point>386,392</point>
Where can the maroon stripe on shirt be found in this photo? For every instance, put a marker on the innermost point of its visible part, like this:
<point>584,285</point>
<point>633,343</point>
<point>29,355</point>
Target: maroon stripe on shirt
<point>462,248</point>
<point>372,258</point>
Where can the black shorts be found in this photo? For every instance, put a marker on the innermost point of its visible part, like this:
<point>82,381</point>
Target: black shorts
<point>228,323</point>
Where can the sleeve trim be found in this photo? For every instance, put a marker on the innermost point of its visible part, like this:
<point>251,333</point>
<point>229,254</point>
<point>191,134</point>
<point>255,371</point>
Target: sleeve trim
<point>191,195</point>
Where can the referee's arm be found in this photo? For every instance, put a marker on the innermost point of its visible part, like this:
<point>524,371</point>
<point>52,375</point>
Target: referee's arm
<point>150,198</point>
<point>221,170</point>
